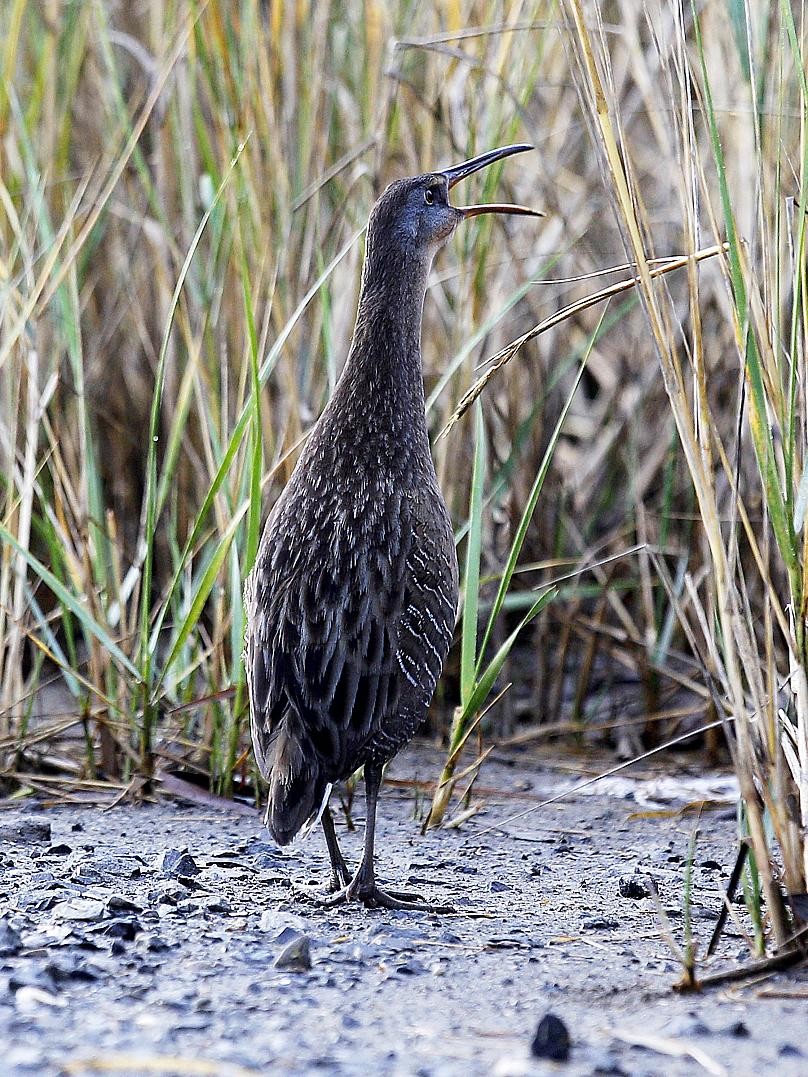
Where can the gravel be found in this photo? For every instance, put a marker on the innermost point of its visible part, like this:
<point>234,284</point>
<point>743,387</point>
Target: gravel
<point>141,935</point>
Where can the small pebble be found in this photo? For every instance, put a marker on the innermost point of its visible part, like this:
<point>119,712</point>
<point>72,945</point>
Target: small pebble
<point>119,903</point>
<point>155,944</point>
<point>738,1029</point>
<point>788,1050</point>
<point>411,968</point>
<point>598,923</point>
<point>79,909</point>
<point>59,850</point>
<point>295,956</point>
<point>178,862</point>
<point>217,903</point>
<point>10,942</point>
<point>126,929</point>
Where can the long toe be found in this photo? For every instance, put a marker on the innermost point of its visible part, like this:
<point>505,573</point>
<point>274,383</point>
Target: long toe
<point>405,895</point>
<point>394,899</point>
<point>373,897</point>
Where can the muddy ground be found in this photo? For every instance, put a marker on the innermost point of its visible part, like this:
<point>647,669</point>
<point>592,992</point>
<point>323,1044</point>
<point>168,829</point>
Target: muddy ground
<point>120,954</point>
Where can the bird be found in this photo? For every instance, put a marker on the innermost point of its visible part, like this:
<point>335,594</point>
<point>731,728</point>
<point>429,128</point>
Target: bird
<point>352,599</point>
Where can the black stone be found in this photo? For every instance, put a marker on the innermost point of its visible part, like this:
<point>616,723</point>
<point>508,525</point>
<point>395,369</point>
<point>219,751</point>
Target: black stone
<point>118,903</point>
<point>552,1040</point>
<point>72,967</point>
<point>739,1030</point>
<point>157,945</point>
<point>62,849</point>
<point>633,887</point>
<point>411,968</point>
<point>177,862</point>
<point>122,929</point>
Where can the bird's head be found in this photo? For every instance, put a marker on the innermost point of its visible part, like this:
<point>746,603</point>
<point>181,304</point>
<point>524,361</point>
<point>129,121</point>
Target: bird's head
<point>414,216</point>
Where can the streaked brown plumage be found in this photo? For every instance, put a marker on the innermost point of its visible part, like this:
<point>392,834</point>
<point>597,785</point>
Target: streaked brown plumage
<point>351,603</point>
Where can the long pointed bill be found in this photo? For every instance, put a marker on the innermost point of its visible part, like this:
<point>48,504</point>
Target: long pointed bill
<point>458,172</point>
<point>467,168</point>
<point>499,207</point>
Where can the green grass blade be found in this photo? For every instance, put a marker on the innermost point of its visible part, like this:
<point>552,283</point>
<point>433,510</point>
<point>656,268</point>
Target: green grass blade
<point>68,599</point>
<point>202,592</point>
<point>532,501</point>
<point>146,644</point>
<point>257,454</point>
<point>485,683</point>
<point>471,583</point>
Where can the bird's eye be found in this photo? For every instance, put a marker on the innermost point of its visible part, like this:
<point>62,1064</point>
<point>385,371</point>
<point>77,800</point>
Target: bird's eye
<point>429,196</point>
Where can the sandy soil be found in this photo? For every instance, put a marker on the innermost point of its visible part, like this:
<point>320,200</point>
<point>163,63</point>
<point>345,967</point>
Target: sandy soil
<point>119,954</point>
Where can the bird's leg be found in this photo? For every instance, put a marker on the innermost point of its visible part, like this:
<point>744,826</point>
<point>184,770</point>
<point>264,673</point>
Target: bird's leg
<point>364,882</point>
<point>363,885</point>
<point>340,872</point>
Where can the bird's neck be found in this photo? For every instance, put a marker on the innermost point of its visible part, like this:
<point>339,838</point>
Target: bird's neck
<point>384,363</point>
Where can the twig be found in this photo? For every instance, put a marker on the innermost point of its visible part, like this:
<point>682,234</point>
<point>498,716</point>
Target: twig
<point>732,886</point>
<point>777,963</point>
<point>506,354</point>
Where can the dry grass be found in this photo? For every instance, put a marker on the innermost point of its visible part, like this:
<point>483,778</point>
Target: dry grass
<point>182,189</point>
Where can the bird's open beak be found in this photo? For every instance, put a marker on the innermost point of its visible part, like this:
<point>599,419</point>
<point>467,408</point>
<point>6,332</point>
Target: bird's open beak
<point>458,172</point>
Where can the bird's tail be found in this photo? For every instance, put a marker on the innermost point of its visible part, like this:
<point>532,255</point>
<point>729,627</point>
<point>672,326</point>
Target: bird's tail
<point>297,787</point>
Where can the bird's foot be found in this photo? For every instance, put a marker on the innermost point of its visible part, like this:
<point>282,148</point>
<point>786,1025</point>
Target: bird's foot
<point>373,897</point>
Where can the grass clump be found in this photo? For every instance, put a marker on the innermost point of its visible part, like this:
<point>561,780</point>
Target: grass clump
<point>745,618</point>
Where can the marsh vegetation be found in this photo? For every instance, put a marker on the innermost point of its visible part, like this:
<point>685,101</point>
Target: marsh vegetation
<point>183,188</point>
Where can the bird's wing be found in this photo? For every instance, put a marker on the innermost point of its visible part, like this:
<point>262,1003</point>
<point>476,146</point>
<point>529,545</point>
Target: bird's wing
<point>350,619</point>
<point>323,608</point>
<point>268,704</point>
<point>429,609</point>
